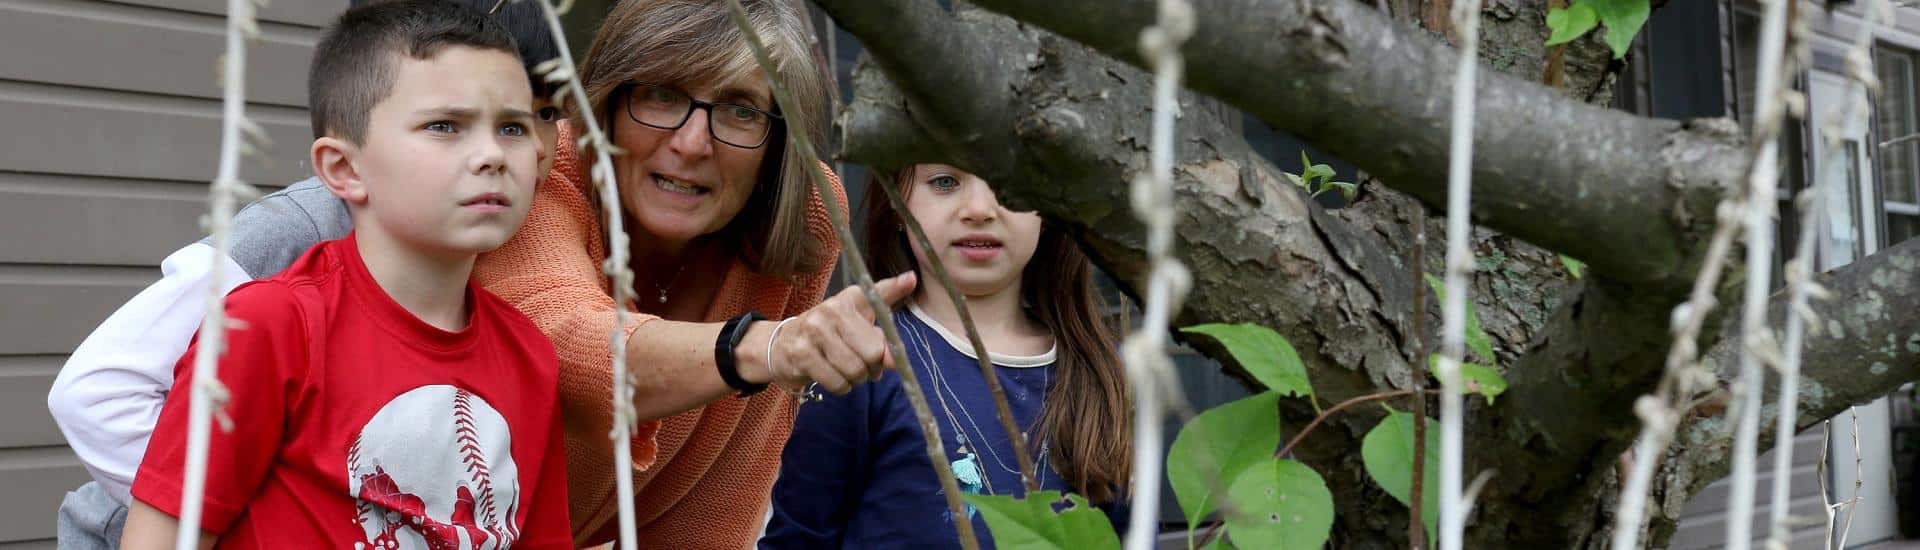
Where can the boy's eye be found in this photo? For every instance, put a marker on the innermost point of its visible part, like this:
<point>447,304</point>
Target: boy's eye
<point>440,126</point>
<point>513,130</point>
<point>548,114</point>
<point>944,183</point>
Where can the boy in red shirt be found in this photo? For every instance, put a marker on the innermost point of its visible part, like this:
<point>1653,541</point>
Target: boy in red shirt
<point>380,399</point>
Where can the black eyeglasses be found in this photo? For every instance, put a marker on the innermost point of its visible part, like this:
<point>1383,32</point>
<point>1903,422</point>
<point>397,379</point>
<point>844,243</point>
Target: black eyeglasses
<point>665,108</point>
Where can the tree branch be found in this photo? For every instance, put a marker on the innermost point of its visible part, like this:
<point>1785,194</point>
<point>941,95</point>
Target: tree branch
<point>876,124</point>
<point>1618,191</point>
<point>903,36</point>
<point>1861,344</point>
<point>1295,440</point>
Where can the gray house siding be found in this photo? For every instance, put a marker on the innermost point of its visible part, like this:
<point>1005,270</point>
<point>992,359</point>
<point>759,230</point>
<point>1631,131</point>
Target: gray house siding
<point>112,111</point>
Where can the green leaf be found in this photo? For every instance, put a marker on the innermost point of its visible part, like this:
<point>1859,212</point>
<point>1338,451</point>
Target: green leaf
<point>1573,266</point>
<point>1387,453</point>
<point>1295,178</point>
<point>1347,189</point>
<point>1321,172</point>
<point>1477,339</point>
<point>1281,504</point>
<point>1623,19</point>
<point>1570,23</point>
<point>1480,379</point>
<point>1215,447</point>
<point>1264,353</point>
<point>1031,523</point>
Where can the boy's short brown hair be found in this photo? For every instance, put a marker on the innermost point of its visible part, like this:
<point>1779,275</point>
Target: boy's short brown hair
<point>353,65</point>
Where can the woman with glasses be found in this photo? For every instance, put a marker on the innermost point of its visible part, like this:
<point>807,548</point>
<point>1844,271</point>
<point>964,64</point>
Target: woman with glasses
<point>731,253</point>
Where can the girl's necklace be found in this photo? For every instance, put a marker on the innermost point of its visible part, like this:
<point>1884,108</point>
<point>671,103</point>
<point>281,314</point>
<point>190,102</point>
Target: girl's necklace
<point>971,460</point>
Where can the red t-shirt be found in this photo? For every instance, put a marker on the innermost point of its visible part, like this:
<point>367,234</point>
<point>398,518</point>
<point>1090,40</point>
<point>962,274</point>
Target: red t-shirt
<point>357,425</point>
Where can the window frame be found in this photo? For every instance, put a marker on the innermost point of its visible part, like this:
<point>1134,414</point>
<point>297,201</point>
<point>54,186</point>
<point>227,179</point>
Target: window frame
<point>1885,208</point>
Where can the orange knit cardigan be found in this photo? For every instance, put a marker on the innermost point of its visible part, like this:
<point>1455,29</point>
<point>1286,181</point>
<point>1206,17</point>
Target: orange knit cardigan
<point>701,478</point>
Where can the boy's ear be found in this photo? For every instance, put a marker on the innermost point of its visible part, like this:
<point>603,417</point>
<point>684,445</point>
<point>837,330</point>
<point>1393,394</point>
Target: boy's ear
<point>333,161</point>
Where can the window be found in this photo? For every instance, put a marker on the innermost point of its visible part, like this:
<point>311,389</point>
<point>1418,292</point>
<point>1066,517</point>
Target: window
<point>1896,127</point>
<point>1793,132</point>
<point>1840,237</point>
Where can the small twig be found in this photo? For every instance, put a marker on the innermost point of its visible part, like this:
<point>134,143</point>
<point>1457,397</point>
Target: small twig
<point>1899,140</point>
<point>1820,476</point>
<point>1473,491</point>
<point>987,370</point>
<point>1295,440</point>
<point>1213,530</point>
<point>1416,526</point>
<point>1556,55</point>
<point>856,264</point>
<point>1853,504</point>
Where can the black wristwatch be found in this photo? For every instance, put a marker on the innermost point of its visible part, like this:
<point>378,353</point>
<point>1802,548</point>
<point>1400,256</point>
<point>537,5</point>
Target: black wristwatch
<point>724,356</point>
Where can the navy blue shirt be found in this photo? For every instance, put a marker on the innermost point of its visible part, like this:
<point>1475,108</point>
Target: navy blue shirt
<point>855,475</point>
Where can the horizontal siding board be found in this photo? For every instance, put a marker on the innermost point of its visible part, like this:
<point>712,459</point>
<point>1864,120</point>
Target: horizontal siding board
<point>1701,533</point>
<point>1703,522</point>
<point>306,13</point>
<point>1806,481</point>
<point>36,480</point>
<point>146,51</point>
<point>112,134</point>
<point>54,219</point>
<point>51,308</point>
<point>24,382</point>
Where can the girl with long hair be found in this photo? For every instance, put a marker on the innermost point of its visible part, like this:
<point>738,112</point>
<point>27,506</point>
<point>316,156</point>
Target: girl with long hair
<point>855,471</point>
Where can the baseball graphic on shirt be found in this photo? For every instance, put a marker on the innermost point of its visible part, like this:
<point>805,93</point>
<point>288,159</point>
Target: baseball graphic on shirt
<point>433,470</point>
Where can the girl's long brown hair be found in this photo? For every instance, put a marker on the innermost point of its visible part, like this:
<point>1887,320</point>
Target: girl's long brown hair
<point>1087,408</point>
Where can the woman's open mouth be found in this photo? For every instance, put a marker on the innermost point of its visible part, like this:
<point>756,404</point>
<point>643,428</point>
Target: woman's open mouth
<point>677,187</point>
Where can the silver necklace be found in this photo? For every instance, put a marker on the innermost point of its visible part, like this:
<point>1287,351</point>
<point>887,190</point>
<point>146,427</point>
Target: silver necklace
<point>940,383</point>
<point>1025,435</point>
<point>940,380</point>
<point>676,278</point>
<point>968,457</point>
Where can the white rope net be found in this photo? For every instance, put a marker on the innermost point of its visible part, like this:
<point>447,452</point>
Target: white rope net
<point>1861,81</point>
<point>1459,263</point>
<point>207,395</point>
<point>1148,366</point>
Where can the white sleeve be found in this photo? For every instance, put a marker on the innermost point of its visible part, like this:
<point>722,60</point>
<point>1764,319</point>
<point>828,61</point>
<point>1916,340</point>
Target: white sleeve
<point>108,396</point>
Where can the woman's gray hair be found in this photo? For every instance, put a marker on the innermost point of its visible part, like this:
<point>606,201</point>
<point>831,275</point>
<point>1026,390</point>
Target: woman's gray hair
<point>684,42</point>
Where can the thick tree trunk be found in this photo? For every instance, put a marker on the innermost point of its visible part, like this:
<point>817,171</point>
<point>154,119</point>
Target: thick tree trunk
<point>1059,124</point>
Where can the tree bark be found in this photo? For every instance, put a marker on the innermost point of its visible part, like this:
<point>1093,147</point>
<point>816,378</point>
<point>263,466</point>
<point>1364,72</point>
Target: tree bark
<point>1548,169</point>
